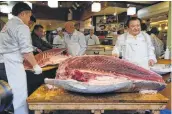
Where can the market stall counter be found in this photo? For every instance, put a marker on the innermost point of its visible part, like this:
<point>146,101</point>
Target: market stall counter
<point>60,99</point>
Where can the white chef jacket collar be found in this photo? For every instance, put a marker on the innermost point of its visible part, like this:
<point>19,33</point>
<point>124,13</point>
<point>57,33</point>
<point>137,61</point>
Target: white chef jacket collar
<point>75,32</point>
<point>139,35</point>
<point>15,17</point>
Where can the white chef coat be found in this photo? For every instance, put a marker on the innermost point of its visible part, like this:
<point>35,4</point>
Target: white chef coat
<point>158,45</point>
<point>59,41</point>
<point>1,59</point>
<point>137,50</point>
<point>92,40</point>
<point>15,40</point>
<point>75,43</point>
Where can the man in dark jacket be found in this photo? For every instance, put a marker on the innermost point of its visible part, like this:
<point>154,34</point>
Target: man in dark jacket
<point>36,39</point>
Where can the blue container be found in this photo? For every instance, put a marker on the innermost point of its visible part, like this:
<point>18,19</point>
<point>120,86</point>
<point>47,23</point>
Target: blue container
<point>165,111</point>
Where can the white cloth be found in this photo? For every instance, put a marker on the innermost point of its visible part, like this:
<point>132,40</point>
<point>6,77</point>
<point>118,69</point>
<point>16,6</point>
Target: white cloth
<point>92,40</point>
<point>137,50</point>
<point>158,45</point>
<point>59,41</point>
<point>44,38</point>
<point>75,43</point>
<point>15,40</point>
<point>59,29</point>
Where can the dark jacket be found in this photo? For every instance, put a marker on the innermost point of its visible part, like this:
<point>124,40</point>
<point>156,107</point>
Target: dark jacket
<point>39,43</point>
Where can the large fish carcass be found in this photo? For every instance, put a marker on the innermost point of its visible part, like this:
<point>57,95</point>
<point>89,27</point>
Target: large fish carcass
<point>49,57</point>
<point>99,74</point>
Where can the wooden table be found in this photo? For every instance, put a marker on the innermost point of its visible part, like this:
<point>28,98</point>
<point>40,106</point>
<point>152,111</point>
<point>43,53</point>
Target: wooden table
<point>167,91</point>
<point>49,67</point>
<point>60,99</point>
<point>164,61</point>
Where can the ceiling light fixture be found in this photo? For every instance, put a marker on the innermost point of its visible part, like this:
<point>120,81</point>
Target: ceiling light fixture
<point>4,9</point>
<point>166,27</point>
<point>70,10</point>
<point>104,17</point>
<point>95,7</point>
<point>77,5</point>
<point>131,11</point>
<point>53,4</point>
<point>115,12</point>
<point>74,7</point>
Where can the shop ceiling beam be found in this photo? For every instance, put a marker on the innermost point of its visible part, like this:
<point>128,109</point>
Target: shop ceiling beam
<point>124,3</point>
<point>45,12</point>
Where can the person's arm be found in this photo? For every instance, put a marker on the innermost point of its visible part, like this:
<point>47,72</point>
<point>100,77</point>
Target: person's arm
<point>38,43</point>
<point>151,49</point>
<point>45,44</point>
<point>82,44</point>
<point>26,48</point>
<point>30,58</point>
<point>97,40</point>
<point>117,48</point>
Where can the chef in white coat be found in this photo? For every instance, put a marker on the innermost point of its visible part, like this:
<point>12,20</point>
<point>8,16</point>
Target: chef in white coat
<point>135,46</point>
<point>74,40</point>
<point>92,39</point>
<point>58,40</point>
<point>157,43</point>
<point>16,45</point>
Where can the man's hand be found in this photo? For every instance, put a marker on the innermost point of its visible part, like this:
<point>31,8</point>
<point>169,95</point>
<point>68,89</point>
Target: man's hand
<point>115,55</point>
<point>151,62</point>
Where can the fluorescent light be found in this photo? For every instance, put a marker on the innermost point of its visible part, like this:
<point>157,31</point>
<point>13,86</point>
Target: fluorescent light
<point>53,3</point>
<point>70,10</point>
<point>30,4</point>
<point>77,4</point>
<point>104,17</point>
<point>4,9</point>
<point>74,7</point>
<point>10,16</point>
<point>95,7</point>
<point>131,11</point>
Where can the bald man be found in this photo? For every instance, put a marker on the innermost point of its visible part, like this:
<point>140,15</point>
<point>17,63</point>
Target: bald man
<point>74,40</point>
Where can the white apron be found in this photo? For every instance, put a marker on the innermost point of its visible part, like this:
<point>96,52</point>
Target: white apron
<point>73,46</point>
<point>17,80</point>
<point>136,52</point>
<point>91,41</point>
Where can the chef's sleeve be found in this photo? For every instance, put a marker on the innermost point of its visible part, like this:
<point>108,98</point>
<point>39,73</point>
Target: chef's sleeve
<point>82,44</point>
<point>97,40</point>
<point>24,39</point>
<point>151,49</point>
<point>117,47</point>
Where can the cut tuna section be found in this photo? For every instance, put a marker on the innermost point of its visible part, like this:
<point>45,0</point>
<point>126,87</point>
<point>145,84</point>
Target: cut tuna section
<point>94,70</point>
<point>50,57</point>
